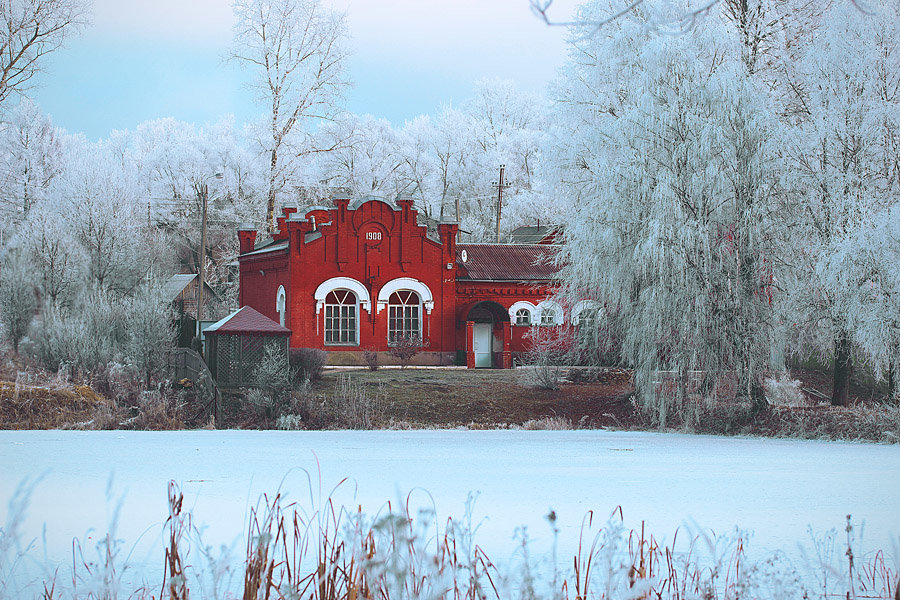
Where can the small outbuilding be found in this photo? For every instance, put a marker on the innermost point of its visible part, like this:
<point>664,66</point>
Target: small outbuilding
<point>181,290</point>
<point>237,346</point>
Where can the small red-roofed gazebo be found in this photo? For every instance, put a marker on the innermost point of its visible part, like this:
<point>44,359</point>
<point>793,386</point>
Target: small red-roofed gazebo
<point>237,346</point>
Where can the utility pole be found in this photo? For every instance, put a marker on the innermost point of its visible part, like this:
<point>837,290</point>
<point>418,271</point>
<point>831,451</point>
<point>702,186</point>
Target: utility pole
<point>500,187</point>
<point>204,198</point>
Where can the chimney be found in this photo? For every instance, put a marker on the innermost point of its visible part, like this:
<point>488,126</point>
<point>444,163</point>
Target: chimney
<point>247,238</point>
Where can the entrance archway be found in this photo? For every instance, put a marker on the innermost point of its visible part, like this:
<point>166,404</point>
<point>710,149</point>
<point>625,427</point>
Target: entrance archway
<point>487,335</point>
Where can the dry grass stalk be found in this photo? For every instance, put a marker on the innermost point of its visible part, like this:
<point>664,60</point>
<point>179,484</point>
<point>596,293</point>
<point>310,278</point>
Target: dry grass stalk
<point>177,524</point>
<point>264,533</point>
<point>331,555</point>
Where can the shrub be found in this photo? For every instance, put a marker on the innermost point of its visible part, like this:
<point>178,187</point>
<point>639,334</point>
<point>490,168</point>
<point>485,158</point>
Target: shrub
<point>784,391</point>
<point>85,336</point>
<point>307,363</point>
<point>289,423</point>
<point>405,348</point>
<point>273,383</point>
<point>150,334</point>
<point>351,406</point>
<point>549,349</point>
<point>158,412</point>
<point>554,423</point>
<point>371,359</point>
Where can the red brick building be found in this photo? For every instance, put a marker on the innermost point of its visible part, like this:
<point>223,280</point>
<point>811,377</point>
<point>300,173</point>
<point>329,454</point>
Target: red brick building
<point>367,273</point>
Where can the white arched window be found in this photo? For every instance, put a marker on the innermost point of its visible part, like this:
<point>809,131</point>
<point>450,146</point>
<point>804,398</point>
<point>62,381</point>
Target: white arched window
<point>522,313</point>
<point>549,313</point>
<point>404,316</point>
<point>342,298</point>
<point>341,320</point>
<point>586,318</point>
<point>280,302</point>
<point>346,283</point>
<point>405,283</point>
<point>523,317</point>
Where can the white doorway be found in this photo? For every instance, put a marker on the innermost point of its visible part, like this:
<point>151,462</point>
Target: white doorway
<point>482,344</point>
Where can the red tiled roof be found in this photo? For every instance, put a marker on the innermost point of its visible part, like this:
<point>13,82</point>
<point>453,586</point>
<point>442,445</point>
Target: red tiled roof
<point>507,262</point>
<point>247,321</point>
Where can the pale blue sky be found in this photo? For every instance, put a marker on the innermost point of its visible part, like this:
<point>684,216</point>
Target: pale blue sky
<point>145,59</point>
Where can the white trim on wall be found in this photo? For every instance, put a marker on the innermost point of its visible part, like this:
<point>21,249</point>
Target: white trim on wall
<point>520,305</point>
<point>346,283</point>
<point>404,283</point>
<point>549,305</point>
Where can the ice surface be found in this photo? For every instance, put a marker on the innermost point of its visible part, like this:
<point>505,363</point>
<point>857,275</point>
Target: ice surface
<point>774,489</point>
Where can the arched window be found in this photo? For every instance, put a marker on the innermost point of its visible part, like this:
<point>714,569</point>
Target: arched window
<point>523,317</point>
<point>340,317</point>
<point>522,313</point>
<point>279,304</point>
<point>404,310</point>
<point>587,325</point>
<point>549,313</point>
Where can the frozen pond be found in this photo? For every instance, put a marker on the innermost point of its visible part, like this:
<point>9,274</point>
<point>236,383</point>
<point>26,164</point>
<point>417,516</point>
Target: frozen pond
<point>774,489</point>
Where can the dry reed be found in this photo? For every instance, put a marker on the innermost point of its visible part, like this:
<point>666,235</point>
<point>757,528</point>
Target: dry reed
<point>326,553</point>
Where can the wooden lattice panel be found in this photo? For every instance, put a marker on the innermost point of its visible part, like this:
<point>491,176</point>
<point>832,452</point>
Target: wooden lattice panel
<point>253,351</point>
<point>228,360</point>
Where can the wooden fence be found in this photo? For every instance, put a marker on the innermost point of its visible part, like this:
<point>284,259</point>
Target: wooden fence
<point>187,367</point>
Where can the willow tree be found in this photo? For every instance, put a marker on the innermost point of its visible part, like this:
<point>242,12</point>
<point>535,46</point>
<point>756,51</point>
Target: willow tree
<point>672,174</point>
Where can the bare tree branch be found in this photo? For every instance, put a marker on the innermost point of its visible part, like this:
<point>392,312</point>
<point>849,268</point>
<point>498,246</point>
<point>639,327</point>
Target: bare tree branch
<point>30,29</point>
<point>296,49</point>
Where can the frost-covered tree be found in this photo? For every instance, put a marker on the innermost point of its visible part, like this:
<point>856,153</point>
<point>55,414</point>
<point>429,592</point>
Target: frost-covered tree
<point>664,150</point>
<point>508,128</point>
<point>149,332</point>
<point>867,265</point>
<point>365,156</point>
<point>104,208</point>
<point>30,157</point>
<point>17,299</point>
<point>296,52</point>
<point>843,158</point>
<point>175,160</point>
<point>56,256</point>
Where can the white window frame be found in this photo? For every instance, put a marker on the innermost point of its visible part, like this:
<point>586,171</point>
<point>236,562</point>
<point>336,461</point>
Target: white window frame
<point>417,306</point>
<point>363,299</point>
<point>526,316</point>
<point>583,305</point>
<point>346,283</point>
<point>551,307</point>
<point>280,304</point>
<point>341,316</point>
<point>517,306</point>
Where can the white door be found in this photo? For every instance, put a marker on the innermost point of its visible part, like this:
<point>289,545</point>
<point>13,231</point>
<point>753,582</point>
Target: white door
<point>481,344</point>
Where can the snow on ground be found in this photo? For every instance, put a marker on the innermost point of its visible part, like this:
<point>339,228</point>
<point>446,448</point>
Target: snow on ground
<point>774,489</point>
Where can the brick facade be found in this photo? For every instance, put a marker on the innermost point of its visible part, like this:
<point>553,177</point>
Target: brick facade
<point>365,273</point>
